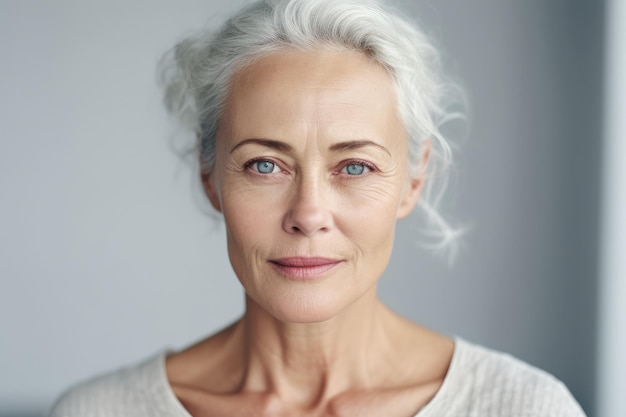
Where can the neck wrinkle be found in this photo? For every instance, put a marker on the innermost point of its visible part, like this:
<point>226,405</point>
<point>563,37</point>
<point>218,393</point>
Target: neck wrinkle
<point>308,364</point>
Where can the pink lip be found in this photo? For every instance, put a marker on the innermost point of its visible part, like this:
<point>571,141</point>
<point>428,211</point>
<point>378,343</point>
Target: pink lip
<point>304,268</point>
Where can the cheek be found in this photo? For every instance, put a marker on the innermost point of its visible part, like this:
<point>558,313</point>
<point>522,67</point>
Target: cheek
<point>249,232</point>
<point>373,200</point>
<point>246,197</point>
<point>251,213</point>
<point>367,215</point>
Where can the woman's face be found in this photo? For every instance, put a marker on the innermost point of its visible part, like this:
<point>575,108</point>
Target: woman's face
<point>311,176</point>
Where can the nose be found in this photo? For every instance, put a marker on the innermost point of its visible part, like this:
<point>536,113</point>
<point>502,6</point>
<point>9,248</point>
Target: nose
<point>308,212</point>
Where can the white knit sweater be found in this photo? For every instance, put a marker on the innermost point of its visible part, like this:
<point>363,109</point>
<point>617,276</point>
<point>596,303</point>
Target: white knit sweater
<point>479,383</point>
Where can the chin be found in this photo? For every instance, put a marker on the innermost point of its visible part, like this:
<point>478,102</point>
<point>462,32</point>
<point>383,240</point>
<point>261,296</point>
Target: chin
<point>304,308</point>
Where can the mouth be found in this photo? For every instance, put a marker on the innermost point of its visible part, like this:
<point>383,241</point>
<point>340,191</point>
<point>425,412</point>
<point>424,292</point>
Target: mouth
<point>304,268</point>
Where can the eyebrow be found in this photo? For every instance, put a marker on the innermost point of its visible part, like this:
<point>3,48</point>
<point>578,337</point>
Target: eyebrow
<point>274,144</point>
<point>356,144</point>
<point>283,147</point>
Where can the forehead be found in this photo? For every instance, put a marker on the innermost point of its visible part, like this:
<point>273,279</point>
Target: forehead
<point>322,90</point>
<point>315,68</point>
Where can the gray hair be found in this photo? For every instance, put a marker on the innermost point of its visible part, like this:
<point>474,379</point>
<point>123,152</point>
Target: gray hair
<point>196,74</point>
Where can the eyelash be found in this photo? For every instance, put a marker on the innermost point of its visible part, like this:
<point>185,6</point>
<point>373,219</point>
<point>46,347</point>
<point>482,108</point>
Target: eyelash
<point>247,166</point>
<point>368,165</point>
<point>371,167</point>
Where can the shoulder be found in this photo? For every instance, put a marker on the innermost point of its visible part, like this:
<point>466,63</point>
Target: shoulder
<point>487,382</point>
<point>137,390</point>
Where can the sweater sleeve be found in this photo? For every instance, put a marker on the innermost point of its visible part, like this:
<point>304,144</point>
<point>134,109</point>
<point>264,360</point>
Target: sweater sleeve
<point>138,391</point>
<point>485,383</point>
<point>506,386</point>
<point>95,398</point>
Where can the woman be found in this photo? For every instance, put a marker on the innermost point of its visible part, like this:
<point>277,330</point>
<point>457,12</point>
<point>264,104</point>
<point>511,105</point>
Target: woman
<point>318,128</point>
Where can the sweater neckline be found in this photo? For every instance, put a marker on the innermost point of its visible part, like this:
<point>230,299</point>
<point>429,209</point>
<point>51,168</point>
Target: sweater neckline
<point>173,403</point>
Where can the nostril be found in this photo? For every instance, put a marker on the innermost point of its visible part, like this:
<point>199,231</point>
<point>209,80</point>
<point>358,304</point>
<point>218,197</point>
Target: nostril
<point>307,215</point>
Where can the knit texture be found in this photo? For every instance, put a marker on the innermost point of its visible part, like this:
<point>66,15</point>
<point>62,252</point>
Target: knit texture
<point>479,383</point>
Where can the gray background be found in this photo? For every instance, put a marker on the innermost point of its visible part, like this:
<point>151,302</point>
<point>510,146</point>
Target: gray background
<point>106,257</point>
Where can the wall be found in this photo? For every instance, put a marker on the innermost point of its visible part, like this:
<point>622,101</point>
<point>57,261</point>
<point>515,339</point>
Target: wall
<point>105,257</point>
<point>612,341</point>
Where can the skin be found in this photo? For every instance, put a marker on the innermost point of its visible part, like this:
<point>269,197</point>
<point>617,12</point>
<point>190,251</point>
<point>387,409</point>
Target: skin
<point>312,162</point>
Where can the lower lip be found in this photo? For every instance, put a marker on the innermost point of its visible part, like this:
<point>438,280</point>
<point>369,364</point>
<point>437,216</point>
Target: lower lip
<point>304,273</point>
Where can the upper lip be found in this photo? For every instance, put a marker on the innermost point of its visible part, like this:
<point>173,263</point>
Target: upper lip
<point>304,262</point>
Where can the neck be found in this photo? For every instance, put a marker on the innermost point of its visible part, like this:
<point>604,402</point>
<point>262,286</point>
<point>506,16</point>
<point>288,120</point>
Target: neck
<point>366,357</point>
<point>308,363</point>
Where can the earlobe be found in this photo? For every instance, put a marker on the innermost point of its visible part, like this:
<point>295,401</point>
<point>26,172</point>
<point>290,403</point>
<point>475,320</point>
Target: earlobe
<point>208,183</point>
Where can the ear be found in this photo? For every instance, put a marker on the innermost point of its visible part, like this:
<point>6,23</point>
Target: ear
<point>414,188</point>
<point>210,189</point>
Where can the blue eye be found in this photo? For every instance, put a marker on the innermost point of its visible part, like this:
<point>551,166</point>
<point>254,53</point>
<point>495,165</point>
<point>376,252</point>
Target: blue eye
<point>263,167</point>
<point>355,169</point>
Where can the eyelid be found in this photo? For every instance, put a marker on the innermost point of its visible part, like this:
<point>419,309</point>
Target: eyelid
<point>342,165</point>
<point>366,164</point>
<point>252,161</point>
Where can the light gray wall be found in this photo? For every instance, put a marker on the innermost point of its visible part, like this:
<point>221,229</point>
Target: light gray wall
<point>105,258</point>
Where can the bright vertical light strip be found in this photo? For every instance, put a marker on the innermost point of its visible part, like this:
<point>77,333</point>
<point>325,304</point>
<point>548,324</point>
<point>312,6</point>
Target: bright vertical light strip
<point>611,395</point>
